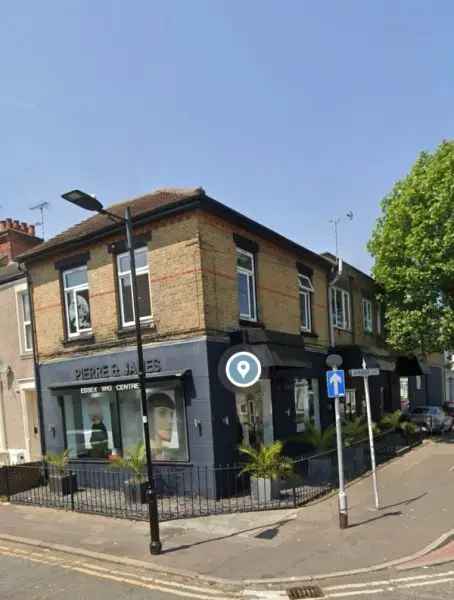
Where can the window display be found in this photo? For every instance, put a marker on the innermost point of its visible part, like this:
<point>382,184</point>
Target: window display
<point>99,425</point>
<point>307,407</point>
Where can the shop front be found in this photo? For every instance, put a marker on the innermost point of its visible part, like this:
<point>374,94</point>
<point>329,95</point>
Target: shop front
<point>92,406</point>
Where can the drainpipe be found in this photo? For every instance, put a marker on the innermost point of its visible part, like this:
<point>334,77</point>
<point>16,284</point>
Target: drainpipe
<point>36,370</point>
<point>331,284</point>
<point>3,437</point>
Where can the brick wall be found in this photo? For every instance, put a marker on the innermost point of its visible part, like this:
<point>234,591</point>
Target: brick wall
<point>277,285</point>
<point>176,289</point>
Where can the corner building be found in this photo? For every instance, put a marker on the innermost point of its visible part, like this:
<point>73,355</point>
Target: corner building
<point>209,279</point>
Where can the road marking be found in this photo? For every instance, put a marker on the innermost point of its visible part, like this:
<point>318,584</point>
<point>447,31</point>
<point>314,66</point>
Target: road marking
<point>87,569</point>
<point>388,581</point>
<point>421,583</point>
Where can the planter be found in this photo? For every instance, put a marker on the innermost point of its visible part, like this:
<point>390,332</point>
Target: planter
<point>355,460</point>
<point>136,492</point>
<point>265,490</point>
<point>63,485</point>
<point>320,469</point>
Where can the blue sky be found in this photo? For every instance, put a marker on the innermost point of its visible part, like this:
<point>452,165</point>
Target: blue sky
<point>292,112</point>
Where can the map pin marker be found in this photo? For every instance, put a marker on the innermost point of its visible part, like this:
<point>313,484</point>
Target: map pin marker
<point>243,368</point>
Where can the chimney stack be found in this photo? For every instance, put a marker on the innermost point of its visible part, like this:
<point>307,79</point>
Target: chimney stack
<point>16,237</point>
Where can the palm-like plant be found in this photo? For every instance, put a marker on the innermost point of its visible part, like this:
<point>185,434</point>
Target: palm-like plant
<point>391,420</point>
<point>58,460</point>
<point>267,462</point>
<point>134,461</point>
<point>354,430</point>
<point>319,440</point>
<point>408,428</point>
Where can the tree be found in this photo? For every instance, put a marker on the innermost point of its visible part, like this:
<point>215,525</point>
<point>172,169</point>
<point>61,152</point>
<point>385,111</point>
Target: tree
<point>413,248</point>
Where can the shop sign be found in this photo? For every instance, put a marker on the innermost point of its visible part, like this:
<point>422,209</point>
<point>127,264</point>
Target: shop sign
<point>110,371</point>
<point>119,387</point>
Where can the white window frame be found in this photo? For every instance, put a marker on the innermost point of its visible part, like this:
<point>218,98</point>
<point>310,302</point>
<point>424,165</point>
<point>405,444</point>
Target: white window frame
<point>73,290</point>
<point>123,274</point>
<point>345,324</point>
<point>368,315</point>
<point>305,289</point>
<point>22,291</point>
<point>250,273</point>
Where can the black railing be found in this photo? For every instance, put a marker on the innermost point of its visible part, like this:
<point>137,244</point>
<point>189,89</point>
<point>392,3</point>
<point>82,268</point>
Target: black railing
<point>187,491</point>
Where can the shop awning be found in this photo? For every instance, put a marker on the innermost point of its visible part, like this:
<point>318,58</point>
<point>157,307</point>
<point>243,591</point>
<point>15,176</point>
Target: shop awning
<point>160,376</point>
<point>275,355</point>
<point>376,362</point>
<point>408,366</point>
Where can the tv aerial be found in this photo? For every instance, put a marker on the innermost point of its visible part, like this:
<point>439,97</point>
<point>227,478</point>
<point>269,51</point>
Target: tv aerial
<point>42,206</point>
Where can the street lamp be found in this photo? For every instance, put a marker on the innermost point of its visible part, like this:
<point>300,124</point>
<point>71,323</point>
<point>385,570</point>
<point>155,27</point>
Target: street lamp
<point>88,202</point>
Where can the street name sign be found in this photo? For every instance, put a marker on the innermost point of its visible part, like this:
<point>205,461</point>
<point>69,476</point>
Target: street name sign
<point>335,383</point>
<point>364,372</point>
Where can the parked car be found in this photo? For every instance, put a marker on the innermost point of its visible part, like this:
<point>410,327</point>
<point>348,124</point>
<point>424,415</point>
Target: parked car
<point>431,418</point>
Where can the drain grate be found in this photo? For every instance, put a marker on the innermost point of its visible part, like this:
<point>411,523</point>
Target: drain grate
<point>306,591</point>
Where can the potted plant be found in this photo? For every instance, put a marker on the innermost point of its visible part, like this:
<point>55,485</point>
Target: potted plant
<point>60,481</point>
<point>354,431</point>
<point>134,463</point>
<point>266,467</point>
<point>320,466</point>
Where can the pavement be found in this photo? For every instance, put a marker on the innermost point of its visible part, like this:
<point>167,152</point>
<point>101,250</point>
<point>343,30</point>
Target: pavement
<point>276,547</point>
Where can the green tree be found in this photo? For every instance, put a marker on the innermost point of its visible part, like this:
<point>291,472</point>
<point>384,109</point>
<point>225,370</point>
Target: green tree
<point>413,248</point>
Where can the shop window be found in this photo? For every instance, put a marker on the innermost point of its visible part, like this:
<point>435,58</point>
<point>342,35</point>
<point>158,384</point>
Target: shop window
<point>367,315</point>
<point>307,408</point>
<point>305,291</point>
<point>348,406</point>
<point>99,425</point>
<point>77,301</point>
<point>25,321</point>
<point>404,398</point>
<point>418,382</point>
<point>246,284</point>
<point>340,308</point>
<point>125,287</point>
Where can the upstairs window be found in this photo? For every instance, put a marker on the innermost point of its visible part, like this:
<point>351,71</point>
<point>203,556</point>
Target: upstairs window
<point>125,287</point>
<point>379,319</point>
<point>340,308</point>
<point>246,284</point>
<point>305,291</point>
<point>367,315</point>
<point>25,321</point>
<point>77,301</point>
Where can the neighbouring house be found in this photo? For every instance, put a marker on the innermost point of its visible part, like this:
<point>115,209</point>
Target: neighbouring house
<point>19,421</point>
<point>210,279</point>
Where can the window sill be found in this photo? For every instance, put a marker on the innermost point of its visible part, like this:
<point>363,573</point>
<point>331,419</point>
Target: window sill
<point>247,323</point>
<point>80,339</point>
<point>145,327</point>
<point>311,334</point>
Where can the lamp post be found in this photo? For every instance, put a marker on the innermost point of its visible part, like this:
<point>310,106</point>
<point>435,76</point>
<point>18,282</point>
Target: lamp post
<point>89,202</point>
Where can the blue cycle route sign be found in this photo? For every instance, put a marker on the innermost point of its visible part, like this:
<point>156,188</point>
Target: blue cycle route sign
<point>243,369</point>
<point>335,383</point>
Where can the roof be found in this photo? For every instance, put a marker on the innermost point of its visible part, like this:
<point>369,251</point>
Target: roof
<point>10,273</point>
<point>158,204</point>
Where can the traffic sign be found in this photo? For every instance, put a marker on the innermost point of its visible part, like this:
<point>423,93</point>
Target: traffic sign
<point>364,372</point>
<point>335,383</point>
<point>243,369</point>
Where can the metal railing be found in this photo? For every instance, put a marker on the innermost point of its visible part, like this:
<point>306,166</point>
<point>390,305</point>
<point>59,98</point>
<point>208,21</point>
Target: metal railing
<point>187,490</point>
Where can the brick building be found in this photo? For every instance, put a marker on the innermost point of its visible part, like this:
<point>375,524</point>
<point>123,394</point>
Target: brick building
<point>210,281</point>
<point>19,422</point>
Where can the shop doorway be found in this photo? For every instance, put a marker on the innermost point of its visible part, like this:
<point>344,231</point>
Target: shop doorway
<point>255,414</point>
<point>307,404</point>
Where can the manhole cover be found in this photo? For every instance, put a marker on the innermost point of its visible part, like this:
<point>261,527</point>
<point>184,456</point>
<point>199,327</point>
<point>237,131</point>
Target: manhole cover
<point>306,591</point>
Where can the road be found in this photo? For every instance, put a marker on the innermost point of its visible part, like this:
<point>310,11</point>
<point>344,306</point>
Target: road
<point>39,574</point>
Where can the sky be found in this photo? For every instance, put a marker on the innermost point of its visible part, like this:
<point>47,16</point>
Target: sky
<point>292,112</point>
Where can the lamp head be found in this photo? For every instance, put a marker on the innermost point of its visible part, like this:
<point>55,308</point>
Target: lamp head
<point>83,200</point>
